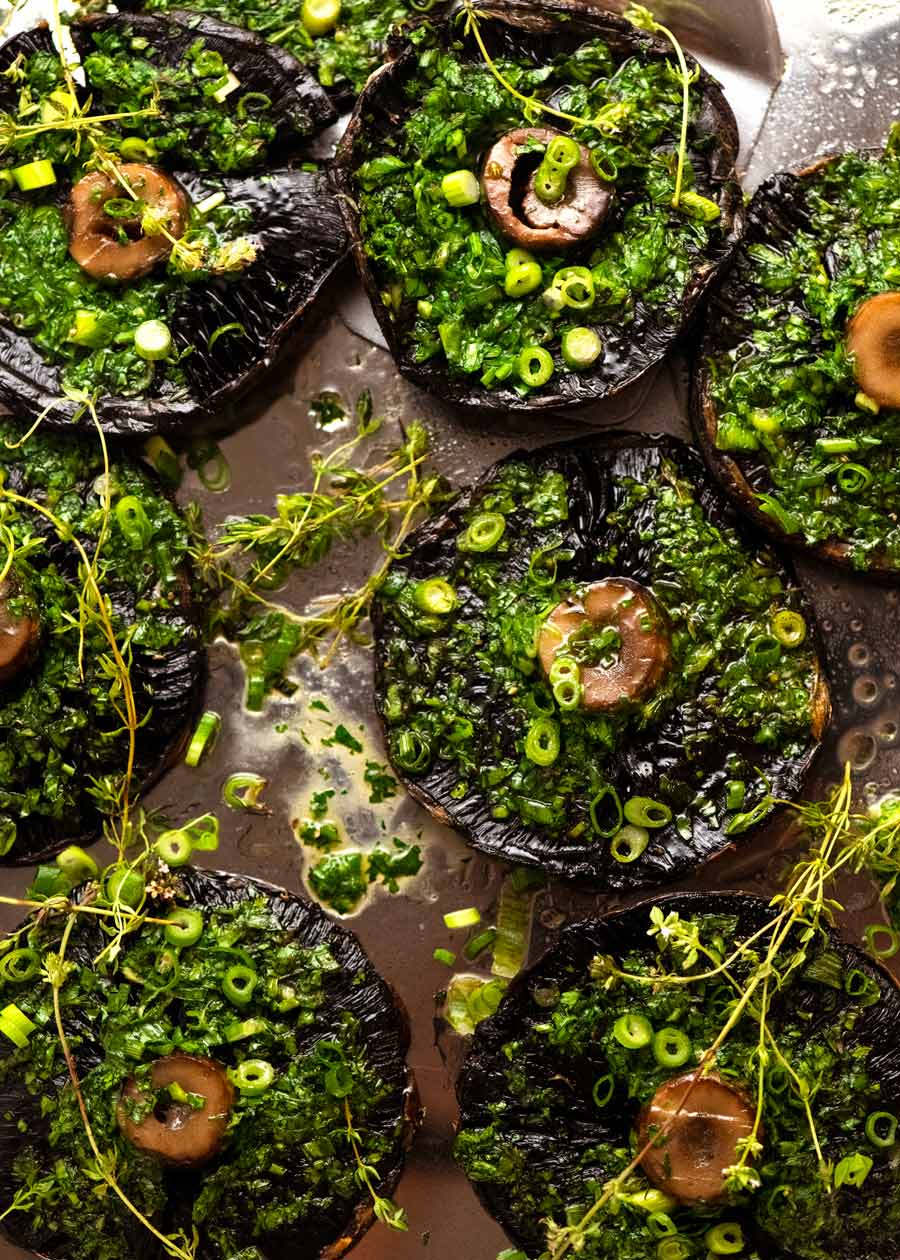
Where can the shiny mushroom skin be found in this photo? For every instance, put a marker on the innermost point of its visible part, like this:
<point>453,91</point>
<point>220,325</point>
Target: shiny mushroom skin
<point>707,1118</point>
<point>94,240</point>
<point>182,1136</point>
<point>19,635</point>
<point>644,657</point>
<point>541,228</point>
<point>873,339</point>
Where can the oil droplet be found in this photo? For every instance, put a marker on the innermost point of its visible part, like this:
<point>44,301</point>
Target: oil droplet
<point>866,690</point>
<point>858,655</point>
<point>856,625</point>
<point>890,681</point>
<point>887,732</point>
<point>859,747</point>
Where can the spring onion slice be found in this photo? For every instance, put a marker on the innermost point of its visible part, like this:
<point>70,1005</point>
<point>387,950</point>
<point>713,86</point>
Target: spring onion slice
<point>513,931</point>
<point>456,919</point>
<point>203,738</point>
<point>243,790</point>
<point>457,1013</point>
<point>16,1025</point>
<point>445,956</point>
<point>478,944</point>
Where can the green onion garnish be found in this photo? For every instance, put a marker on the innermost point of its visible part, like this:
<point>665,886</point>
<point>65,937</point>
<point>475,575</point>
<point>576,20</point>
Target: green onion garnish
<point>253,1077</point>
<point>16,1025</point>
<point>242,791</point>
<point>183,927</point>
<point>76,865</point>
<point>445,956</point>
<point>203,738</point>
<point>456,919</point>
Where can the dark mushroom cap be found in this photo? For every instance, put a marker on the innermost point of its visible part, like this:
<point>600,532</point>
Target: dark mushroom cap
<point>166,679</point>
<point>182,1134</point>
<point>705,1117</point>
<point>533,225</point>
<point>295,221</point>
<point>93,241</point>
<point>20,632</point>
<point>530,33</point>
<point>780,215</point>
<point>638,665</point>
<point>546,1133</point>
<point>672,749</point>
<point>291,1214</point>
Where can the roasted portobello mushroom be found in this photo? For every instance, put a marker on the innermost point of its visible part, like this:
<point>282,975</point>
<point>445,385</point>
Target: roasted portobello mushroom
<point>519,258</point>
<point>586,664</point>
<point>571,1079</point>
<point>222,1061</point>
<point>160,237</point>
<point>340,41</point>
<point>797,384</point>
<point>61,724</point>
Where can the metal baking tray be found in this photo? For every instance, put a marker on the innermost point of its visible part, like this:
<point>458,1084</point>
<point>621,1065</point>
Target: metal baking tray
<point>804,77</point>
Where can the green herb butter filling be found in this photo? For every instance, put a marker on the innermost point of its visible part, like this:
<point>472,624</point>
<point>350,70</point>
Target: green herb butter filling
<point>484,289</point>
<point>559,1085</point>
<point>64,748</point>
<point>263,1014</point>
<point>626,748</point>
<point>803,329</point>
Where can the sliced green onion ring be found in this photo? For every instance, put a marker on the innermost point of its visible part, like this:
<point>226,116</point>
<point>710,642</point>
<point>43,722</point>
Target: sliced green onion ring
<point>133,522</point>
<point>603,1090</point>
<point>671,1047</point>
<point>184,927</point>
<point>789,628</point>
<point>643,811</point>
<point>15,1025</point>
<point>76,865</point>
<point>726,1239</point>
<point>629,843</point>
<point>238,984</point>
<point>243,790</point>
<point>877,932</point>
<point>21,965</point>
<point>535,366</point>
<point>610,795</point>
<point>253,1077</point>
<point>881,1129</point>
<point>457,919</point>
<point>542,742</point>
<point>483,532</point>
<point>203,738</point>
<point>633,1030</point>
<point>436,596</point>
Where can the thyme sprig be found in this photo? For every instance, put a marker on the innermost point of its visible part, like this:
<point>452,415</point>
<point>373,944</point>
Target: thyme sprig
<point>641,17</point>
<point>610,119</point>
<point>255,554</point>
<point>385,1209</point>
<point>839,840</point>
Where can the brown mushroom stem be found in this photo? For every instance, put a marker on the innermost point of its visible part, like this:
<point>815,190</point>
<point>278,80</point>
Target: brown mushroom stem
<point>176,1132</point>
<point>96,237</point>
<point>19,635</point>
<point>640,662</point>
<point>532,224</point>
<point>699,1121</point>
<point>873,339</point>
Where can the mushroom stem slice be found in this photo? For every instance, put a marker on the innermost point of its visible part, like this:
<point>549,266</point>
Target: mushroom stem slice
<point>19,635</point>
<point>533,224</point>
<point>873,339</point>
<point>177,1132</point>
<point>706,1117</point>
<point>115,246</point>
<point>639,654</point>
